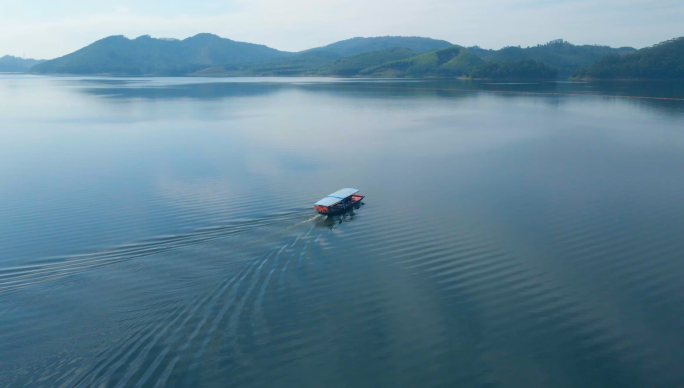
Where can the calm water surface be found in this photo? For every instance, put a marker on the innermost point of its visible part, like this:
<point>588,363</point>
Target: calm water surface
<point>159,232</point>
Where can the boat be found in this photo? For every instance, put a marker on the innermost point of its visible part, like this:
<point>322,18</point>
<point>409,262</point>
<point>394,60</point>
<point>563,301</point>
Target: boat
<point>339,202</point>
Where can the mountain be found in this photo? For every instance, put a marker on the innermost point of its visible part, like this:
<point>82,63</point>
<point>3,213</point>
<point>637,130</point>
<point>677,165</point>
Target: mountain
<point>12,64</point>
<point>450,61</point>
<point>145,55</point>
<point>354,64</point>
<point>665,60</point>
<point>210,54</point>
<point>559,54</point>
<point>207,54</point>
<point>361,45</point>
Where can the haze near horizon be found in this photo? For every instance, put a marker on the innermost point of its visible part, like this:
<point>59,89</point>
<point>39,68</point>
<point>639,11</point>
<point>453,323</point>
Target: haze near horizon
<point>48,30</point>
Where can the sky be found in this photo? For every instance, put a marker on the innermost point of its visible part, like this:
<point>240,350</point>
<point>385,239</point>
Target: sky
<point>47,29</point>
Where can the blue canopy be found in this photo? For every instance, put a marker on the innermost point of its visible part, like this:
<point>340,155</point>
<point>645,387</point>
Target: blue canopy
<point>336,197</point>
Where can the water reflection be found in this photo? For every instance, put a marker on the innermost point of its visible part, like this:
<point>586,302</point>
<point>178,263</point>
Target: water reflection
<point>551,93</point>
<point>331,222</point>
<point>202,91</point>
<point>159,232</point>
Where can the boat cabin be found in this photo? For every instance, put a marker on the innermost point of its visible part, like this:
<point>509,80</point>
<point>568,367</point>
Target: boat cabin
<point>339,201</point>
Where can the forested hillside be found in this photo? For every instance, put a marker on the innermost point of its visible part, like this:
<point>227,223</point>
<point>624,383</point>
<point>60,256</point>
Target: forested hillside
<point>512,69</point>
<point>559,54</point>
<point>454,61</point>
<point>354,64</point>
<point>361,45</point>
<point>662,61</point>
<point>306,63</point>
<point>451,61</point>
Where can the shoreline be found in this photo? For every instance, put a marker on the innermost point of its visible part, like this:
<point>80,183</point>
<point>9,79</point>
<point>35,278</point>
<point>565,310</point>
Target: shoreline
<point>461,78</point>
<point>624,79</point>
<point>227,75</point>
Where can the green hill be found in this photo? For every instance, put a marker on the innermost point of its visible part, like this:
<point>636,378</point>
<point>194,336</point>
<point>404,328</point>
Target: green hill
<point>354,64</point>
<point>361,45</point>
<point>315,62</point>
<point>146,55</point>
<point>512,69</point>
<point>559,54</point>
<point>306,63</point>
<point>450,61</point>
<point>12,64</point>
<point>664,60</point>
<point>398,61</point>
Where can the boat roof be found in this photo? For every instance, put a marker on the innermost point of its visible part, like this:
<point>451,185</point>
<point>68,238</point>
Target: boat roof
<point>336,197</point>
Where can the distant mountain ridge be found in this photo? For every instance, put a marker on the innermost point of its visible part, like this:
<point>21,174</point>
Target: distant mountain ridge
<point>145,55</point>
<point>13,64</point>
<point>118,55</point>
<point>208,54</point>
<point>361,45</point>
<point>560,54</point>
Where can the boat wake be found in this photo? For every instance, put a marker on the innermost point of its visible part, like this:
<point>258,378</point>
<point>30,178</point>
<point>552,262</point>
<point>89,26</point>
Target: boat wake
<point>193,298</point>
<point>62,266</point>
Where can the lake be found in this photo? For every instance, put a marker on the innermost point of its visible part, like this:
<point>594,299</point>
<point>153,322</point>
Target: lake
<point>160,232</point>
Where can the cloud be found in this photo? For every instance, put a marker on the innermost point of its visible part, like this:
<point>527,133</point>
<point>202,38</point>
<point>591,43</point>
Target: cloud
<point>301,24</point>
